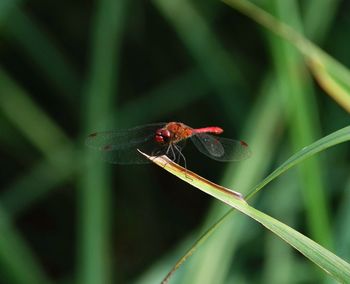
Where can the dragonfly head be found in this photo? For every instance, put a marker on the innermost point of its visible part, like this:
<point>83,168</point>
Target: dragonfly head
<point>162,136</point>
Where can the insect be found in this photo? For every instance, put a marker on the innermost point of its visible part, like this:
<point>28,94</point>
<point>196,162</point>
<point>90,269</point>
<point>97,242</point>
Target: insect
<point>120,147</point>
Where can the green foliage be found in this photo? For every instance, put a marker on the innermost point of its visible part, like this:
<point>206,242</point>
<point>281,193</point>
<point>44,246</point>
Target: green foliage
<point>330,263</point>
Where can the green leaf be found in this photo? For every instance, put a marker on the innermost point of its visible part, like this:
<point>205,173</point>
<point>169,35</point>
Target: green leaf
<point>329,262</point>
<point>332,76</point>
<point>330,140</point>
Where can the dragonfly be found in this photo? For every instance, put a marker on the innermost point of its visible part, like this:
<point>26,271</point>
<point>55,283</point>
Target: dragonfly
<point>120,146</point>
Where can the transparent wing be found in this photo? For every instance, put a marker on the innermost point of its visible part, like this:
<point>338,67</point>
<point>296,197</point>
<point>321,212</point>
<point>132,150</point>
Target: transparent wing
<point>120,139</point>
<point>120,147</point>
<point>132,156</point>
<point>221,149</point>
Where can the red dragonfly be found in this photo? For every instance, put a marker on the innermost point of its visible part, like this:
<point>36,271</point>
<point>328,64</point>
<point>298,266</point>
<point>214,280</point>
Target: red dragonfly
<point>120,147</point>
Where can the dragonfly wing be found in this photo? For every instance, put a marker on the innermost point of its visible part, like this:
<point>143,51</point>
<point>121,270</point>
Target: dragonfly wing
<point>221,149</point>
<point>131,155</point>
<point>120,147</point>
<point>121,139</point>
<point>208,145</point>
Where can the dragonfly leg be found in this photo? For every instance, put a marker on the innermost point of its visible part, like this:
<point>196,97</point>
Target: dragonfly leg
<point>171,148</point>
<point>178,158</point>
<point>178,149</point>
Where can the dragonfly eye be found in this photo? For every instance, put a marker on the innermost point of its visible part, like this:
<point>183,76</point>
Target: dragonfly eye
<point>162,136</point>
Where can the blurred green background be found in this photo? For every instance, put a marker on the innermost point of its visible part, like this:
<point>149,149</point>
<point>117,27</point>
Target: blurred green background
<point>69,68</point>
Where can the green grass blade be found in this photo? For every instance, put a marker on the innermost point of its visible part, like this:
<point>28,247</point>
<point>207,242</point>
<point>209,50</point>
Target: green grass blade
<point>329,262</point>
<point>314,55</point>
<point>302,113</point>
<point>204,185</point>
<point>318,24</point>
<point>202,43</point>
<point>18,264</point>
<point>48,138</point>
<point>285,204</point>
<point>337,137</point>
<point>325,74</point>
<point>41,48</point>
<point>95,183</point>
<point>342,226</point>
<point>213,261</point>
<point>26,191</point>
<point>27,116</point>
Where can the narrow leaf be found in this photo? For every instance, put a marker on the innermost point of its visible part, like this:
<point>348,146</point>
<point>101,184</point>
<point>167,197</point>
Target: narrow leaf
<point>330,140</point>
<point>330,69</point>
<point>329,262</point>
